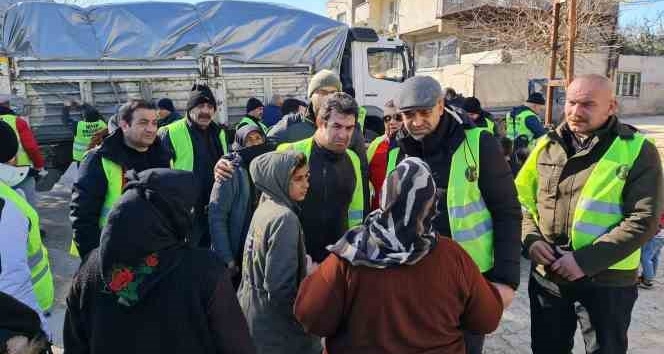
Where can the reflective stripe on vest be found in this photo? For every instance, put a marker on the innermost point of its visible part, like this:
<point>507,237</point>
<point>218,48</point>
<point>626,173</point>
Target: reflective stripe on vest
<point>599,208</point>
<point>114,184</point>
<point>470,220</point>
<point>40,270</point>
<point>84,133</point>
<point>183,146</point>
<point>22,158</point>
<point>249,121</point>
<point>517,126</point>
<point>356,207</point>
<point>361,117</point>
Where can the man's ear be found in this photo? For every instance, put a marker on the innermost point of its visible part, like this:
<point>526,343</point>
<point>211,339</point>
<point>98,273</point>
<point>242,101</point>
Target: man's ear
<point>613,106</point>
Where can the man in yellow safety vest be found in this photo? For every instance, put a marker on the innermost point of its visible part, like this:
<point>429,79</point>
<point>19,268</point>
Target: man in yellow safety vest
<point>195,143</point>
<point>478,207</point>
<point>591,193</point>
<point>135,146</point>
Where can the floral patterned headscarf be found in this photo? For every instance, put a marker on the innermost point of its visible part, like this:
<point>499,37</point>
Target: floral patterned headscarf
<point>146,228</point>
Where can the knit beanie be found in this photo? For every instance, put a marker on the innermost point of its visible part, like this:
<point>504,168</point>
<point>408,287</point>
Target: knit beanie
<point>253,103</point>
<point>323,78</point>
<point>8,142</point>
<point>536,98</point>
<point>201,94</point>
<point>472,105</point>
<point>167,104</point>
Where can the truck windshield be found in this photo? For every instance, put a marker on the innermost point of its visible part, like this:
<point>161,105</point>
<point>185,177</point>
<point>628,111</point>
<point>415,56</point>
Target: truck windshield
<point>387,64</point>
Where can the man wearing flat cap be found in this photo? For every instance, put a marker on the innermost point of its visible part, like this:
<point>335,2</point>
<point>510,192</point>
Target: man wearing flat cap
<point>477,203</point>
<point>195,143</point>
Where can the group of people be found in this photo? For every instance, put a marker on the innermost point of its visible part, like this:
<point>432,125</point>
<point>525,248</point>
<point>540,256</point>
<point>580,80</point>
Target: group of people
<point>301,238</point>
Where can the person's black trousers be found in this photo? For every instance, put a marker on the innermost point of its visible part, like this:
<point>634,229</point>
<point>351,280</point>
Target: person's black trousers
<point>604,314</point>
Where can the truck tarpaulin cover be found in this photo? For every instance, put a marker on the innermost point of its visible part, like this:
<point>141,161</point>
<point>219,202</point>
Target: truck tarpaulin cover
<point>241,31</point>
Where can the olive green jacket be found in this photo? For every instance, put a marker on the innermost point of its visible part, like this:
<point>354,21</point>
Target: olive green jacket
<point>563,168</point>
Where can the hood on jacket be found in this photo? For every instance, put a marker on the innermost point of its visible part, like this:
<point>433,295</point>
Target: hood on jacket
<point>271,173</point>
<point>151,221</point>
<point>242,133</point>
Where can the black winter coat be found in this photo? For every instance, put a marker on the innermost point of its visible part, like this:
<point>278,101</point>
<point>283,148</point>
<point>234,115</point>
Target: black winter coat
<point>192,309</point>
<point>496,184</point>
<point>89,190</point>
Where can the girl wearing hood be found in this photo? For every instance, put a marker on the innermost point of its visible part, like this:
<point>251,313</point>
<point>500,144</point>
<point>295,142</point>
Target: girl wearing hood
<point>275,260</point>
<point>144,289</point>
<point>233,201</point>
<point>392,285</point>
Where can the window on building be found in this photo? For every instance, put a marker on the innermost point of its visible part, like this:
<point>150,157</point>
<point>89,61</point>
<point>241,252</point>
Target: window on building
<point>628,84</point>
<point>341,17</point>
<point>386,64</point>
<point>431,55</point>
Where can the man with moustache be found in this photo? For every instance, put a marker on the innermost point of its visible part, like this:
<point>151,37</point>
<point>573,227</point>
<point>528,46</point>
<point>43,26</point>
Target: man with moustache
<point>135,146</point>
<point>195,144</point>
<point>592,194</point>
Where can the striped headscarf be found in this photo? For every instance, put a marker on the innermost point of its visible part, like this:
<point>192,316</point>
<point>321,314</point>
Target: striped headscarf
<point>400,231</point>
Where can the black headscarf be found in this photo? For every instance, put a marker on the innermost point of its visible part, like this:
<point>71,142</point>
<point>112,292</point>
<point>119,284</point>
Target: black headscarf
<point>400,231</point>
<point>17,319</point>
<point>145,229</point>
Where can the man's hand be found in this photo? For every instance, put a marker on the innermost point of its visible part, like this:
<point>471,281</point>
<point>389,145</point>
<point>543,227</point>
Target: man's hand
<point>567,267</point>
<point>506,294</point>
<point>223,170</point>
<point>542,253</point>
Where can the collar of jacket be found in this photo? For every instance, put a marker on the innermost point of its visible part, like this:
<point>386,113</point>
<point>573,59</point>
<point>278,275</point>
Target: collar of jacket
<point>448,135</point>
<point>113,148</point>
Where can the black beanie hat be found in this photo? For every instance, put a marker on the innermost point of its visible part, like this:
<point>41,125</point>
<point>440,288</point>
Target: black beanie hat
<point>201,94</point>
<point>536,98</point>
<point>8,142</point>
<point>472,105</point>
<point>167,104</point>
<point>253,103</point>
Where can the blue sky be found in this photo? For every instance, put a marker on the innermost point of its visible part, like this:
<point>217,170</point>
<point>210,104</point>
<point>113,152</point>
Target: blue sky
<point>631,13</point>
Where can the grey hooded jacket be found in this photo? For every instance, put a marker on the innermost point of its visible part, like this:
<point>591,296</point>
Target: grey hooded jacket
<point>274,262</point>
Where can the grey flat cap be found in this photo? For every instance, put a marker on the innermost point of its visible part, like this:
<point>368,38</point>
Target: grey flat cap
<point>418,92</point>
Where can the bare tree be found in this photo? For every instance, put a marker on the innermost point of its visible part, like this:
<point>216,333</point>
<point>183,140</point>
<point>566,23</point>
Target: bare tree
<point>645,37</point>
<point>527,24</point>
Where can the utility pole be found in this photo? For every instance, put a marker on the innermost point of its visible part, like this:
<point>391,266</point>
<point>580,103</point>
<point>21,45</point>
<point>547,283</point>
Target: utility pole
<point>548,117</point>
<point>571,36</point>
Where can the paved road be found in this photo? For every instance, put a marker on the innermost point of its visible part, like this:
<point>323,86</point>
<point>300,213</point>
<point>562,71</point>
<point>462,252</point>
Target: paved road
<point>513,336</point>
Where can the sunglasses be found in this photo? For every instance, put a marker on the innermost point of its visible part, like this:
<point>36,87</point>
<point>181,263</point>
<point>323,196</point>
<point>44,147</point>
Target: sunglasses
<point>396,117</point>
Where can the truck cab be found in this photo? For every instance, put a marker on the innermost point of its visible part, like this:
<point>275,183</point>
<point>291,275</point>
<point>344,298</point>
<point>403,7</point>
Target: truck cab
<point>375,67</point>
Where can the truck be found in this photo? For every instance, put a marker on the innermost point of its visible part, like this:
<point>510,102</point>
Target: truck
<point>104,55</point>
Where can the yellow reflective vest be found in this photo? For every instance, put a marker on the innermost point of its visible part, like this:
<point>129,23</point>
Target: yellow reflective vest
<point>40,269</point>
<point>178,132</point>
<point>599,207</point>
<point>356,207</point>
<point>22,158</point>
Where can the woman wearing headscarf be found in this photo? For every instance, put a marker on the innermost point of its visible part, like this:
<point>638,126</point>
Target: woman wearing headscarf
<point>144,290</point>
<point>275,260</point>
<point>233,201</point>
<point>392,286</point>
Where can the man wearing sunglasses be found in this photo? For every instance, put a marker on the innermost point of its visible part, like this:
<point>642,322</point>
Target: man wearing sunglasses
<point>383,153</point>
<point>477,205</point>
